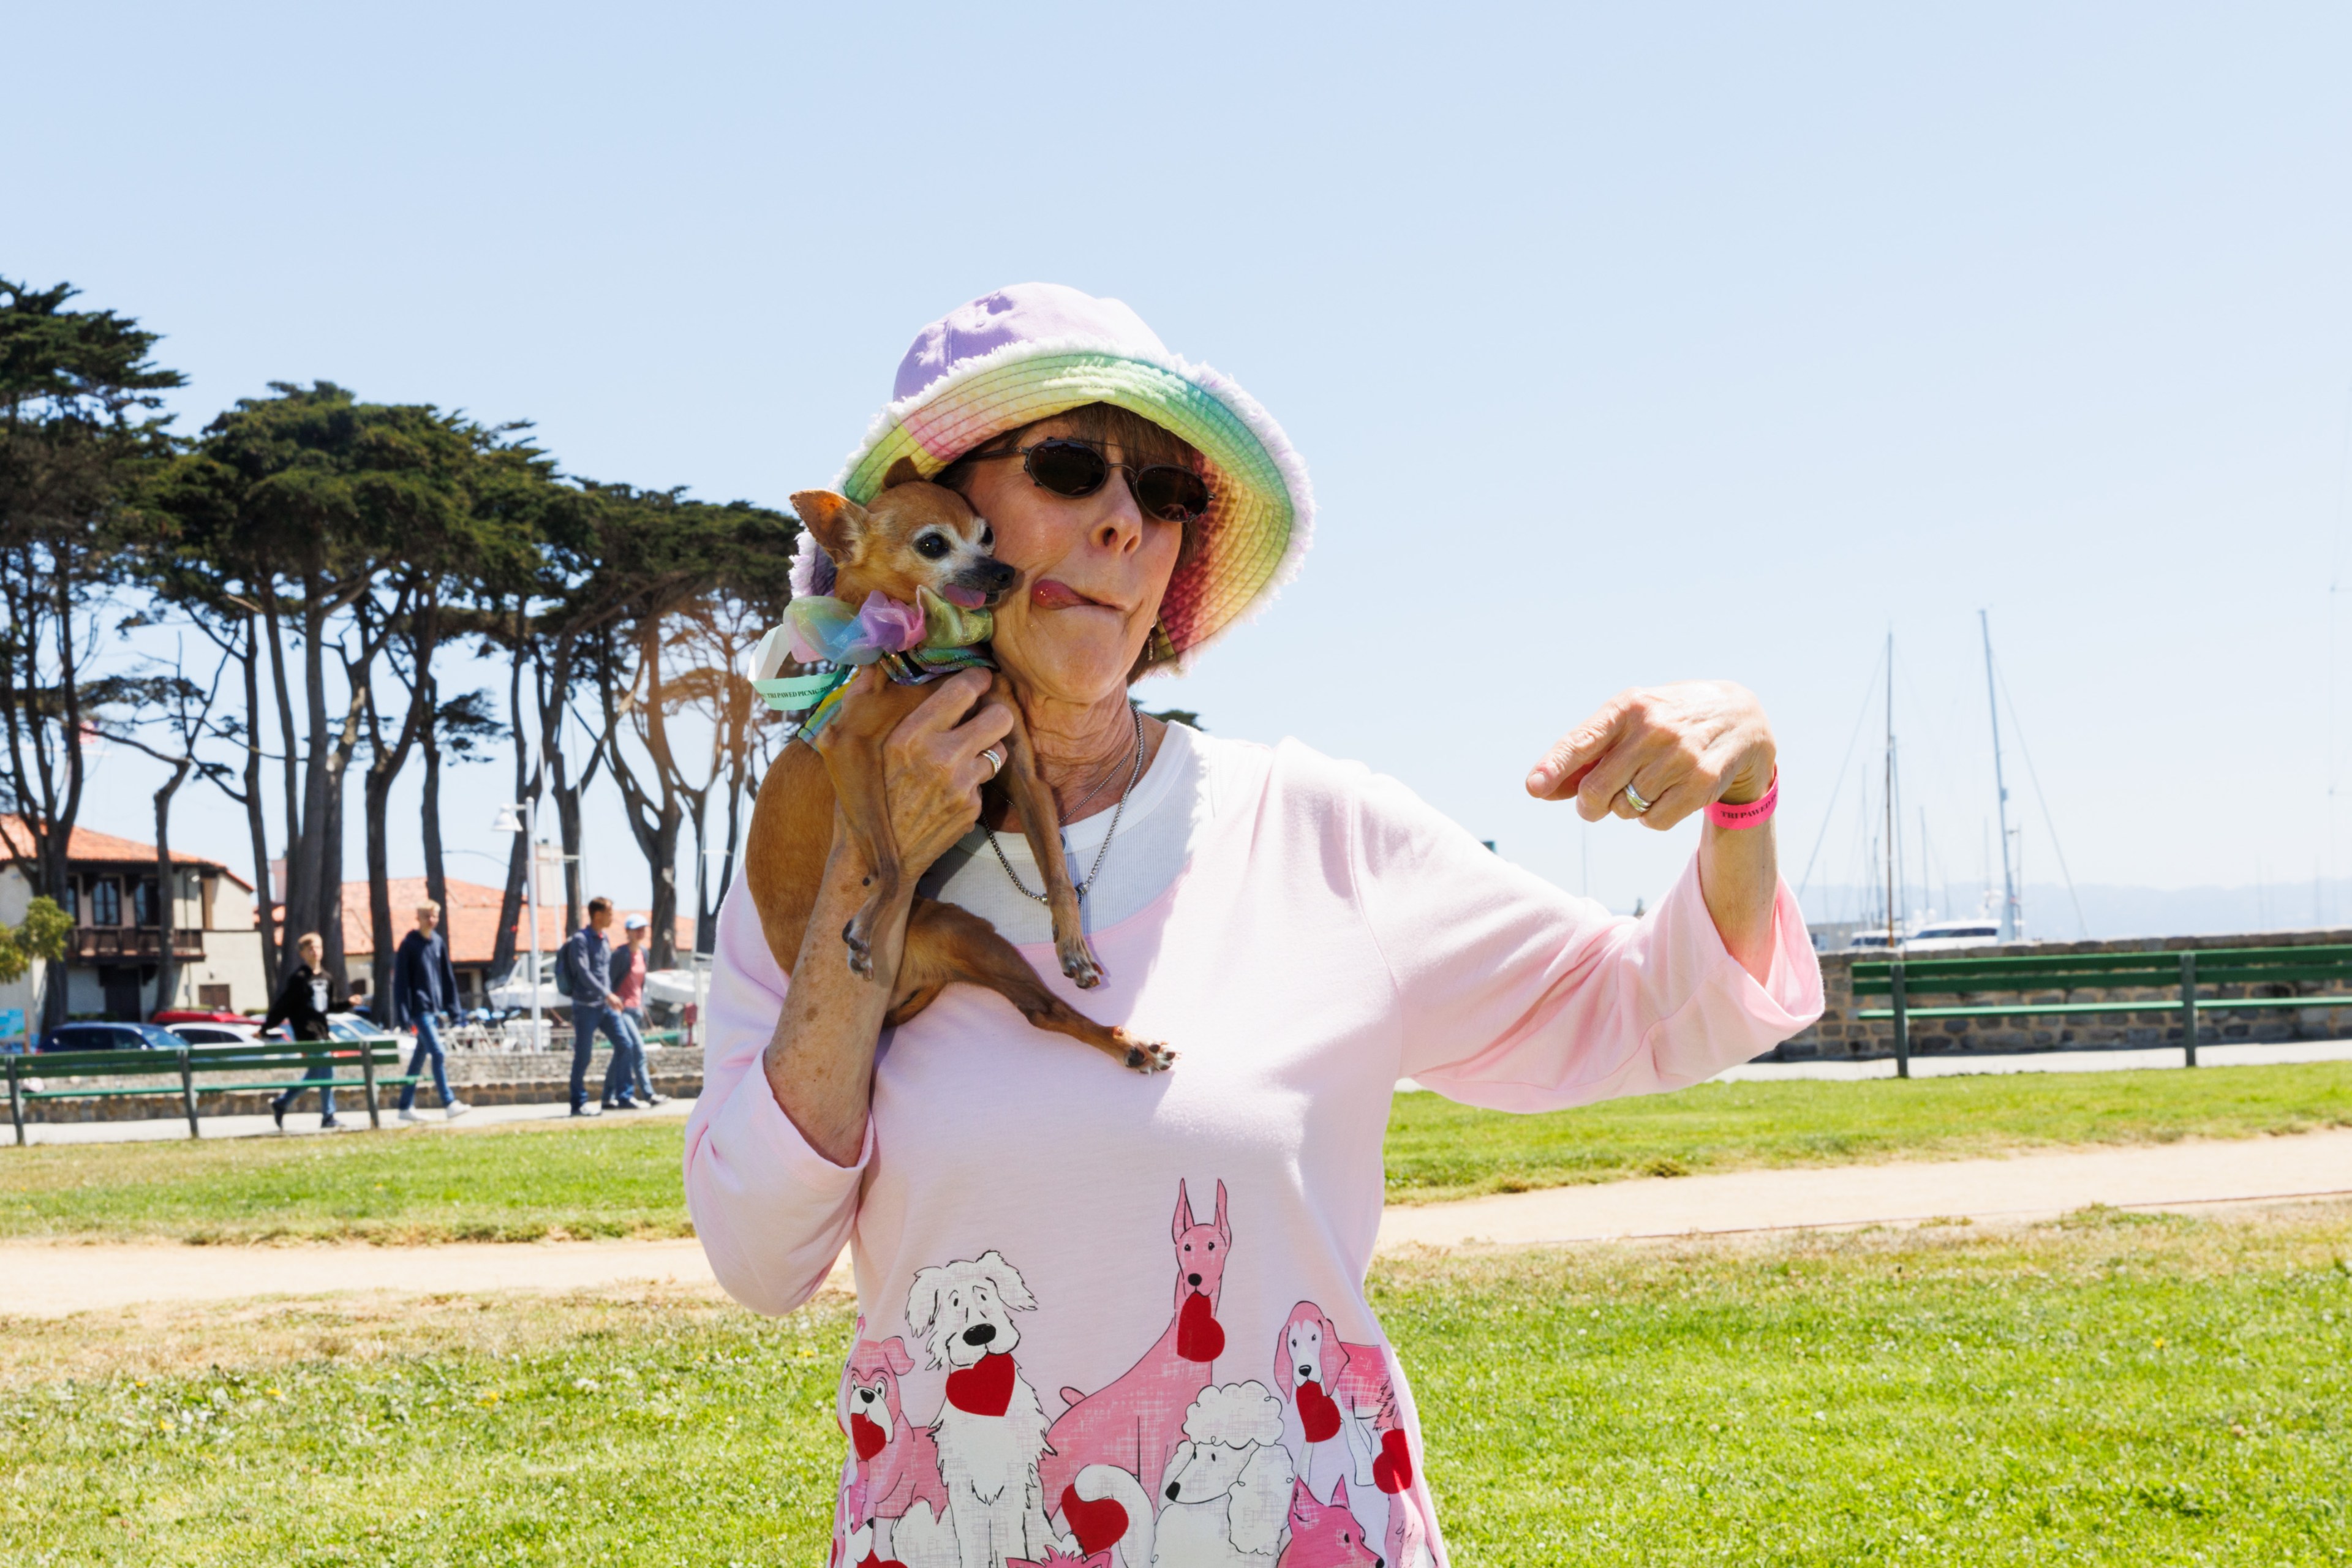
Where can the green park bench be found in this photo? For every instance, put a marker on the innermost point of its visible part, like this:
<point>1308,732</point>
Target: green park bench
<point>253,1064</point>
<point>2193,978</point>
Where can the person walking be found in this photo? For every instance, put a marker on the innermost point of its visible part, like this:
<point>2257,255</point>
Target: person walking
<point>586,968</point>
<point>629,961</point>
<point>425,991</point>
<point>303,1003</point>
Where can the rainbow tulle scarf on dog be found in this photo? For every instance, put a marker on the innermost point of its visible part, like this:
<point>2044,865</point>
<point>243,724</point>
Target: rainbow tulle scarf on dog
<point>914,644</point>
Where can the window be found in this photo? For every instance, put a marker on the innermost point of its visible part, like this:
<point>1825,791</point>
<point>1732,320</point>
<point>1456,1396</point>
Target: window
<point>73,901</point>
<point>143,902</point>
<point>212,997</point>
<point>106,902</point>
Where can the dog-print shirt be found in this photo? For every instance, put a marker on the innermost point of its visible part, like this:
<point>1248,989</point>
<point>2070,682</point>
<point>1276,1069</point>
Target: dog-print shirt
<point>1113,1320</point>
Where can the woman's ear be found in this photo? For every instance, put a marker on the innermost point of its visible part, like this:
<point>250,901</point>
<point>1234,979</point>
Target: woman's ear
<point>836,520</point>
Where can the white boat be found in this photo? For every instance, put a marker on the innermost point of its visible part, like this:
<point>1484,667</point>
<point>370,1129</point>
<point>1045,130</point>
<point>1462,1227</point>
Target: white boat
<point>1944,936</point>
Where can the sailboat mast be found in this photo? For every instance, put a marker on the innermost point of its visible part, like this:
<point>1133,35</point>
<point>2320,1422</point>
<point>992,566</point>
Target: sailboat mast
<point>1890,792</point>
<point>2000,787</point>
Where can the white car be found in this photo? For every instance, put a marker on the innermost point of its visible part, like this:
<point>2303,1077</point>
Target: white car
<point>215,1034</point>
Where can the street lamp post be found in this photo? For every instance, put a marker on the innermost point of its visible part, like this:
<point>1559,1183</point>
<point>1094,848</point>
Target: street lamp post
<point>518,818</point>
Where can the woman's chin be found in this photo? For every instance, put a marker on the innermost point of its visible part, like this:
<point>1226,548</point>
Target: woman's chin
<point>1072,669</point>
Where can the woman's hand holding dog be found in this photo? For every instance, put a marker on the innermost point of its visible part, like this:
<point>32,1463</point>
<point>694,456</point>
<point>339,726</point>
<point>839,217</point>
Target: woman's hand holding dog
<point>1680,748</point>
<point>934,766</point>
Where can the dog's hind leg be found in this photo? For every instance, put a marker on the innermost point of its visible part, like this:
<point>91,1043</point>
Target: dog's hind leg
<point>947,943</point>
<point>1041,824</point>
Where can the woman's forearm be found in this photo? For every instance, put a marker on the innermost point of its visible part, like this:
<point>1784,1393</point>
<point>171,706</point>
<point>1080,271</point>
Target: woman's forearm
<point>1739,873</point>
<point>820,1060</point>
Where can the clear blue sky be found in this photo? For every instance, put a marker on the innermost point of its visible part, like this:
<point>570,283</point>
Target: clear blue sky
<point>1626,344</point>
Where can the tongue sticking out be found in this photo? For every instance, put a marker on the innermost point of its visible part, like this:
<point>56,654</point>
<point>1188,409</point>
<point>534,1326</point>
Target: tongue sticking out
<point>963,598</point>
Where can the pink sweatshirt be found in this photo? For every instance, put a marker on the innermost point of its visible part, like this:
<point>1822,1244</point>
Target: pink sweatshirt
<point>1100,1309</point>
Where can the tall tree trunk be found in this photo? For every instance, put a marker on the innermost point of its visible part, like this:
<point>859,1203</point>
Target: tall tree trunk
<point>265,914</point>
<point>502,955</point>
<point>292,914</point>
<point>167,892</point>
<point>437,876</point>
<point>375,785</point>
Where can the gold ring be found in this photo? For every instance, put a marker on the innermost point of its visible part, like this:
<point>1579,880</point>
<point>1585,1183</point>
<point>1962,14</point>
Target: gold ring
<point>1634,798</point>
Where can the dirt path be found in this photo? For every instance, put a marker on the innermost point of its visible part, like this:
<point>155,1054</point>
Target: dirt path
<point>48,1279</point>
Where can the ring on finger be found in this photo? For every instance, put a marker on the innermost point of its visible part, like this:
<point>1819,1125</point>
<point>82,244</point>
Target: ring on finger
<point>1634,798</point>
<point>995,756</point>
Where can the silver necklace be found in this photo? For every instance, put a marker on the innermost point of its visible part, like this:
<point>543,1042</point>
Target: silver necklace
<point>1117,812</point>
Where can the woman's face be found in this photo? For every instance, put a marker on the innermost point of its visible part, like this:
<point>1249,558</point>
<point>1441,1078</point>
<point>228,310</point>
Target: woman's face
<point>1092,573</point>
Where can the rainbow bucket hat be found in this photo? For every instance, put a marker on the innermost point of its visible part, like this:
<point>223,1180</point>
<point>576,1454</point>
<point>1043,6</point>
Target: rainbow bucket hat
<point>1036,349</point>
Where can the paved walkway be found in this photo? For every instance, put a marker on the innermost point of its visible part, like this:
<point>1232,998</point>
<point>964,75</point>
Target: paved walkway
<point>2225,1056</point>
<point>47,1279</point>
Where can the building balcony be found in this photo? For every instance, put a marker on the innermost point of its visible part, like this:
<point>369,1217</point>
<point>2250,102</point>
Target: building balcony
<point>105,944</point>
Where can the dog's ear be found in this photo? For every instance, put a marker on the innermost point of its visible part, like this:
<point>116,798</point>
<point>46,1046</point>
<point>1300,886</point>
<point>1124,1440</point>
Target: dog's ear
<point>1284,1377</point>
<point>1224,1227</point>
<point>1339,1493</point>
<point>1183,1220</point>
<point>923,1304</point>
<point>902,472</point>
<point>1334,1357</point>
<point>1011,1288</point>
<point>1254,1512</point>
<point>1302,1504</point>
<point>895,1356</point>
<point>836,520</point>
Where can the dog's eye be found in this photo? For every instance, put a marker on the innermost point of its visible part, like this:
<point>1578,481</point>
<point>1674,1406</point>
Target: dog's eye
<point>931,547</point>
<point>987,537</point>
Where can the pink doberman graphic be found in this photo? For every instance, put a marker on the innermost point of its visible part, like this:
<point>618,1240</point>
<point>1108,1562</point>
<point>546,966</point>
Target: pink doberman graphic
<point>1136,1421</point>
<point>1324,1534</point>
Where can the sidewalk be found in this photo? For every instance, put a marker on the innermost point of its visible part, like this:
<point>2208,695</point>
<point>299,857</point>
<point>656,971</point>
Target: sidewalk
<point>305,1123</point>
<point>2218,1056</point>
<point>49,1279</point>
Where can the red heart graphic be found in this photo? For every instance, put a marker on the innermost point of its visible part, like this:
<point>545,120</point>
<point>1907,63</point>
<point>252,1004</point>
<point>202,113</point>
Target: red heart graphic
<point>870,1560</point>
<point>1099,1526</point>
<point>867,1435</point>
<point>1199,1335</point>
<point>984,1388</point>
<point>1317,1413</point>
<point>1393,1471</point>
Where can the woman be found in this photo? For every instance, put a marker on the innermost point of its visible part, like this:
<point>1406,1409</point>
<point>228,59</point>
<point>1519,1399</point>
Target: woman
<point>1067,1272</point>
<point>302,1005</point>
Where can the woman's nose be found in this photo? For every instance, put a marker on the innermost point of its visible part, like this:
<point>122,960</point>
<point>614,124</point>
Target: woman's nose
<point>1119,528</point>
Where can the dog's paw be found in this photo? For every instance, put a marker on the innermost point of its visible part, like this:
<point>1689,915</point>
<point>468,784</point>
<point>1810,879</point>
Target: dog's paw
<point>1148,1057</point>
<point>861,953</point>
<point>1080,965</point>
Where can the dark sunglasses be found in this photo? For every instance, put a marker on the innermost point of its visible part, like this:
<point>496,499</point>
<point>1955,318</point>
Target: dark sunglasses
<point>1075,469</point>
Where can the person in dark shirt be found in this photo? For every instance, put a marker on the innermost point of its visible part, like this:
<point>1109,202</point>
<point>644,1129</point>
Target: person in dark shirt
<point>424,992</point>
<point>302,1005</point>
<point>587,969</point>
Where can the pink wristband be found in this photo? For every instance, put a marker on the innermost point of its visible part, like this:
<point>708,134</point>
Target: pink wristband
<point>1755,814</point>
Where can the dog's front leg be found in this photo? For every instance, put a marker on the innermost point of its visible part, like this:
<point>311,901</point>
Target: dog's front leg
<point>852,747</point>
<point>1041,824</point>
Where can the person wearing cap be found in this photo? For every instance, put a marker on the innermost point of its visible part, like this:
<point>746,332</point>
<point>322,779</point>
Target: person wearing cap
<point>629,996</point>
<point>1302,931</point>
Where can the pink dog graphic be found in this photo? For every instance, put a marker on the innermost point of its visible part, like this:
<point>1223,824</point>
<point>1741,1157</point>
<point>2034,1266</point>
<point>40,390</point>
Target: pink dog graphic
<point>896,1462</point>
<point>1136,1421</point>
<point>1324,1534</point>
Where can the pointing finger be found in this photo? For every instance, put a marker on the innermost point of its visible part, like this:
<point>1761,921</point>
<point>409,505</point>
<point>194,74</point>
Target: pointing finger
<point>1563,767</point>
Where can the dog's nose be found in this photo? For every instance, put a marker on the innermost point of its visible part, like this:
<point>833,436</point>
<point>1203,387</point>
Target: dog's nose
<point>996,574</point>
<point>1172,1487</point>
<point>978,1334</point>
<point>866,1395</point>
<point>1194,1280</point>
<point>1306,1371</point>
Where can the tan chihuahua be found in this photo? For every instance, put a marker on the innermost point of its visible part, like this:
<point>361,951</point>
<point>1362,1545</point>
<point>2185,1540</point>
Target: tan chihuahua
<point>916,535</point>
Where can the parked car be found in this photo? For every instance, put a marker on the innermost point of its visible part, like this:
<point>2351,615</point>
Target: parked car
<point>171,1015</point>
<point>212,1033</point>
<point>115,1037</point>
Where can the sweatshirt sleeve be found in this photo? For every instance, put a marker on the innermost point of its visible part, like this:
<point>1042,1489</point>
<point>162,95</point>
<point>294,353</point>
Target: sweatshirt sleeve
<point>1516,995</point>
<point>772,1212</point>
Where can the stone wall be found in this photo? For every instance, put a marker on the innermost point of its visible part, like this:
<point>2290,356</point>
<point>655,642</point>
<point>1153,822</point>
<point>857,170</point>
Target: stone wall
<point>1841,1036</point>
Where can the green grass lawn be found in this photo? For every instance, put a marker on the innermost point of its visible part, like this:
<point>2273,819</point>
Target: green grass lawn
<point>1439,1151</point>
<point>2109,1390</point>
<point>537,1180</point>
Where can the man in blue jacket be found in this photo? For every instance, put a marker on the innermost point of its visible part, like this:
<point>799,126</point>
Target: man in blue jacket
<point>424,990</point>
<point>586,967</point>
